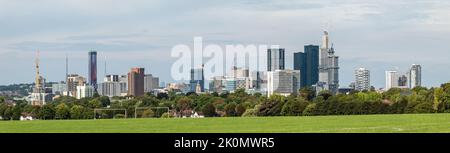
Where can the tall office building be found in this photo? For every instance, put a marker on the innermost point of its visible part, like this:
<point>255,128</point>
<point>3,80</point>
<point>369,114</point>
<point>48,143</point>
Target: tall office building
<point>403,81</point>
<point>283,82</point>
<point>362,79</point>
<point>328,67</point>
<point>150,83</point>
<point>391,80</point>
<point>308,64</point>
<point>136,82</point>
<point>74,80</point>
<point>110,87</point>
<point>197,78</point>
<point>93,69</point>
<point>84,91</point>
<point>415,76</point>
<point>275,59</point>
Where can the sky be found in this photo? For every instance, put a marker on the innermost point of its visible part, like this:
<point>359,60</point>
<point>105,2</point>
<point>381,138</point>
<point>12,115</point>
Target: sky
<point>379,35</point>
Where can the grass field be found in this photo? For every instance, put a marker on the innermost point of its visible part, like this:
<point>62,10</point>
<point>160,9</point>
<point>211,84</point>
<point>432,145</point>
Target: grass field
<point>319,124</point>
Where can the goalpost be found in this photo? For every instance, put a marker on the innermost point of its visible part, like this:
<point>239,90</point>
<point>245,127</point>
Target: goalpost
<point>151,112</point>
<point>109,113</point>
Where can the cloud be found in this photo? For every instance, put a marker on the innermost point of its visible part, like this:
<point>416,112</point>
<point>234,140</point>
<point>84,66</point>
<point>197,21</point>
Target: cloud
<point>365,32</point>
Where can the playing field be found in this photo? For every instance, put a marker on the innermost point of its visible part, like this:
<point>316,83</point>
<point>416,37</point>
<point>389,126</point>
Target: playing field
<point>318,124</point>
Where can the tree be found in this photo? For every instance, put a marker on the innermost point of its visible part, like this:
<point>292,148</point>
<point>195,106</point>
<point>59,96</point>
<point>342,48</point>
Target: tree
<point>76,112</point>
<point>7,113</point>
<point>310,110</point>
<point>184,103</point>
<point>240,109</point>
<point>104,100</point>
<point>438,93</point>
<point>47,112</point>
<point>294,107</point>
<point>271,106</point>
<point>230,109</point>
<point>307,93</point>
<point>209,110</point>
<point>95,103</point>
<point>325,94</point>
<point>16,112</point>
<point>62,111</point>
<point>148,113</point>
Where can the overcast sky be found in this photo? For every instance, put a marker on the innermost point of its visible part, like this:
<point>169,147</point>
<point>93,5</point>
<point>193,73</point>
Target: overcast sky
<point>379,35</point>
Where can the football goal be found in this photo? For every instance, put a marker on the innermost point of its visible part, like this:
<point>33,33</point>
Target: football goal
<point>110,113</point>
<point>151,112</point>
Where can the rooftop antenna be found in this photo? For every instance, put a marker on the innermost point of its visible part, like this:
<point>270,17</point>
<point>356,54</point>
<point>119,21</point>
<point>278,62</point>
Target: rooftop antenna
<point>67,74</point>
<point>105,66</point>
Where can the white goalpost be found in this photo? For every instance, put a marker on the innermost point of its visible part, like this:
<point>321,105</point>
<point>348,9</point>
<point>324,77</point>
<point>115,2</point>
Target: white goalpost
<point>151,112</point>
<point>110,113</point>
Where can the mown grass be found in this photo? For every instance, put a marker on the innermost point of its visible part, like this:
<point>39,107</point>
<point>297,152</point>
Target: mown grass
<point>405,123</point>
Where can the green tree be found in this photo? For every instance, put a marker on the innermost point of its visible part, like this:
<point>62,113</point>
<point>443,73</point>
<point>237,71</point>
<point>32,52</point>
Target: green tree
<point>294,107</point>
<point>184,103</point>
<point>62,111</point>
<point>438,94</point>
<point>230,109</point>
<point>47,112</point>
<point>209,110</point>
<point>271,106</point>
<point>240,109</point>
<point>95,103</point>
<point>309,110</point>
<point>76,112</point>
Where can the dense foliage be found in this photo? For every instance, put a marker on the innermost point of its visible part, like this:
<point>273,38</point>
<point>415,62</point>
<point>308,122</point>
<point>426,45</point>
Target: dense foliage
<point>239,103</point>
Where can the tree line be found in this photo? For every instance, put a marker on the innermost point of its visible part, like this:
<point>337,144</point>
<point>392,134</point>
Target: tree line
<point>239,103</point>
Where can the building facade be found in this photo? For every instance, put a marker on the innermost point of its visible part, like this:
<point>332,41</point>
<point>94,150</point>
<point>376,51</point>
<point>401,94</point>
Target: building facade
<point>415,76</point>
<point>74,80</point>
<point>150,83</point>
<point>391,80</point>
<point>136,82</point>
<point>93,69</point>
<point>85,91</point>
<point>111,86</point>
<point>362,79</point>
<point>308,64</point>
<point>328,67</point>
<point>197,77</point>
<point>283,82</point>
<point>275,59</point>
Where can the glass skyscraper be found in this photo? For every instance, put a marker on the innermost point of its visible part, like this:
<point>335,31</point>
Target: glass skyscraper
<point>275,59</point>
<point>308,64</point>
<point>93,69</point>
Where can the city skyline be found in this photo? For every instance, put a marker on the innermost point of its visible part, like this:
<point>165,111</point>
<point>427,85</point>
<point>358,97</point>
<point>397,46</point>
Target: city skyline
<point>373,35</point>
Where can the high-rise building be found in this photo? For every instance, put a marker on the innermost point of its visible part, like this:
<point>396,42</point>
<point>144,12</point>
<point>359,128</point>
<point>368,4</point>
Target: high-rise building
<point>283,82</point>
<point>197,77</point>
<point>308,64</point>
<point>136,82</point>
<point>111,86</point>
<point>74,80</point>
<point>275,59</point>
<point>85,91</point>
<point>415,76</point>
<point>328,67</point>
<point>362,79</point>
<point>403,81</point>
<point>93,69</point>
<point>150,83</point>
<point>239,72</point>
<point>391,80</point>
